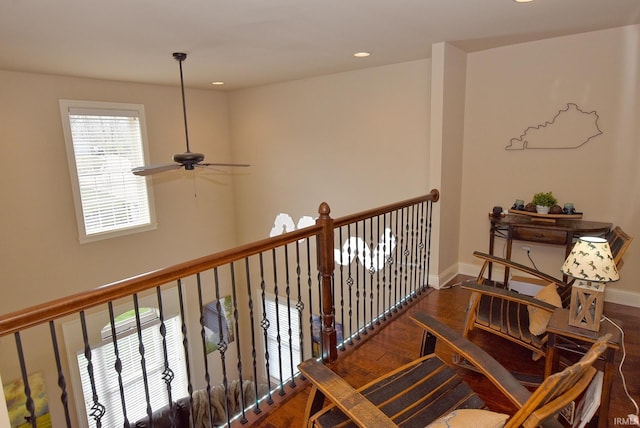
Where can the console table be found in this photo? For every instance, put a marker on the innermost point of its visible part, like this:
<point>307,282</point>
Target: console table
<point>518,227</point>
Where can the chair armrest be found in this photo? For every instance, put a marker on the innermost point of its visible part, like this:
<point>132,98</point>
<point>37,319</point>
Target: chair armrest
<point>485,363</point>
<point>514,265</point>
<point>353,404</point>
<point>509,295</point>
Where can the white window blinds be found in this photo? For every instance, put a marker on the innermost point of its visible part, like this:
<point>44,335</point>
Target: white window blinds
<point>106,378</point>
<point>289,354</point>
<point>104,142</point>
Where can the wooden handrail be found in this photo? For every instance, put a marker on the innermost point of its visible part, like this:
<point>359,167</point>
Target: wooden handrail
<point>432,196</point>
<point>39,314</point>
<point>42,313</point>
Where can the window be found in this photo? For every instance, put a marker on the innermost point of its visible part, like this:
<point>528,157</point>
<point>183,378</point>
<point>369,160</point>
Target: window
<point>286,319</point>
<point>106,380</point>
<point>104,141</point>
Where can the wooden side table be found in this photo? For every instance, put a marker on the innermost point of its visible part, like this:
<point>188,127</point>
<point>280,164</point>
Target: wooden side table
<point>566,338</point>
<point>516,227</point>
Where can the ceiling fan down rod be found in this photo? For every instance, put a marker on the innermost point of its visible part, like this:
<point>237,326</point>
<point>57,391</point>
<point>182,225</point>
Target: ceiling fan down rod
<point>181,56</point>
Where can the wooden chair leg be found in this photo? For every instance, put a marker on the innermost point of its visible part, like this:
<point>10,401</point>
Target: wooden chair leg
<point>428,344</point>
<point>314,404</point>
<point>474,300</point>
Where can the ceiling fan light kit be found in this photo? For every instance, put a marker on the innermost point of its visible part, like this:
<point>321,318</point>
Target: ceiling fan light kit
<point>189,160</point>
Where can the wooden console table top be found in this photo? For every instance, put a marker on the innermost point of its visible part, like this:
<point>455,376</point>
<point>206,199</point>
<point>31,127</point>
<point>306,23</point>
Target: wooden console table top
<point>524,228</point>
<point>577,226</point>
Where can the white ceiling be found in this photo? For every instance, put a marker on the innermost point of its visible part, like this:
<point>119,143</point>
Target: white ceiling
<point>254,42</point>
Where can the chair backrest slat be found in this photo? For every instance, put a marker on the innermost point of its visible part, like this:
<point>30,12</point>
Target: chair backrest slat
<point>559,389</point>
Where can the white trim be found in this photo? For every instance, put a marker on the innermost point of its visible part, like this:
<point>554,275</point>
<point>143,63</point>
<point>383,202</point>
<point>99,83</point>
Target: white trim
<point>622,297</point>
<point>473,269</point>
<point>438,280</point>
<point>612,294</point>
<point>67,107</point>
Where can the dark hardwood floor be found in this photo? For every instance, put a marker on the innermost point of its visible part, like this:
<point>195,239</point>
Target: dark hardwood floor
<point>399,342</point>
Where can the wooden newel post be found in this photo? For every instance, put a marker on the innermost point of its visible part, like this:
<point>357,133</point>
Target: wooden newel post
<point>326,265</point>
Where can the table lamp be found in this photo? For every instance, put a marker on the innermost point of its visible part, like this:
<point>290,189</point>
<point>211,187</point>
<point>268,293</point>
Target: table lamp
<point>590,262</point>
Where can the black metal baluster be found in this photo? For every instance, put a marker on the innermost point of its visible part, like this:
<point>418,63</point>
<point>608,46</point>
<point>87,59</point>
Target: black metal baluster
<point>29,404</point>
<point>350,284</point>
<point>397,262</point>
<point>143,361</point>
<point>292,382</point>
<point>375,297</point>
<point>383,268</point>
<point>371,271</point>
<point>278,336</point>
<point>357,269</point>
<point>207,376</point>
<point>118,364</point>
<point>340,241</point>
<point>378,255</point>
<point>257,409</point>
<point>310,291</point>
<point>414,250</point>
<point>393,264</point>
<point>388,260</point>
<point>222,345</point>
<point>265,327</point>
<point>167,373</point>
<point>299,303</point>
<point>402,261</point>
<point>236,333</point>
<point>97,410</point>
<point>185,346</point>
<point>62,383</point>
<point>365,274</point>
<point>430,213</point>
<point>405,257</point>
<point>423,284</point>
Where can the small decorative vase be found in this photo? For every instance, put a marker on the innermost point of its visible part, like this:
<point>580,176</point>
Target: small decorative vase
<point>541,209</point>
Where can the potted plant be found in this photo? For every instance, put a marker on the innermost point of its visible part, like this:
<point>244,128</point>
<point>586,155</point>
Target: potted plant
<point>543,201</point>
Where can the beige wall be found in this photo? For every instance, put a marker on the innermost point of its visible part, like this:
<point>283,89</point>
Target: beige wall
<point>355,140</point>
<point>41,256</point>
<point>447,113</point>
<point>514,87</point>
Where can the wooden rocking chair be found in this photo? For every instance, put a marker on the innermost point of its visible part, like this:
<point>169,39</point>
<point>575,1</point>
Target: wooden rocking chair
<point>517,317</point>
<point>427,389</point>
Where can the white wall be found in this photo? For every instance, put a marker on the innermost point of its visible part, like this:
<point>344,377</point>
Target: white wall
<point>355,140</point>
<point>514,87</point>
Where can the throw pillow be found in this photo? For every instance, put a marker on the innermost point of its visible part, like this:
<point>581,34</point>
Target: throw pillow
<point>539,318</point>
<point>476,418</point>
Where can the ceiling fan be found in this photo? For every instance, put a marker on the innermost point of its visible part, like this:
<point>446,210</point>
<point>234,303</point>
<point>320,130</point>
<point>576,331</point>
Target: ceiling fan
<point>189,160</point>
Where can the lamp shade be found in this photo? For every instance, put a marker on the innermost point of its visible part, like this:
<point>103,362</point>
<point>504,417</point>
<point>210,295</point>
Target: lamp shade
<point>591,260</point>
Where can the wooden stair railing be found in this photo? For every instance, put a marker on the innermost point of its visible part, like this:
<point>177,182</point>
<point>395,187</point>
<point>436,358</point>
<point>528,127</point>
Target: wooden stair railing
<point>51,315</point>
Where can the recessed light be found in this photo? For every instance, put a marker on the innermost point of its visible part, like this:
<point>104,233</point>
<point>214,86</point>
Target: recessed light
<point>217,83</point>
<point>361,54</point>
<point>522,1</point>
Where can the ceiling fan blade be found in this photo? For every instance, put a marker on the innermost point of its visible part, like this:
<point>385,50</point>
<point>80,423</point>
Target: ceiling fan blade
<point>154,169</point>
<point>223,164</point>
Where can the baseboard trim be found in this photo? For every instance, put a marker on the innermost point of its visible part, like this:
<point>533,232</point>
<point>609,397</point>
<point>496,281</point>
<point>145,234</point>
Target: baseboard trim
<point>437,281</point>
<point>622,297</point>
<point>612,294</point>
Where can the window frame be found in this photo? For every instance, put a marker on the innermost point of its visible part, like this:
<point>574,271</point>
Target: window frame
<point>103,351</point>
<point>271,343</point>
<point>118,230</point>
